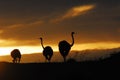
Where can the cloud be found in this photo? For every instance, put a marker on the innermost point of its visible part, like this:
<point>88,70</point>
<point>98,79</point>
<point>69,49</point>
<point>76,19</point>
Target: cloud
<point>74,12</point>
<point>1,31</point>
<point>21,31</point>
<point>6,42</point>
<point>11,42</point>
<point>26,24</point>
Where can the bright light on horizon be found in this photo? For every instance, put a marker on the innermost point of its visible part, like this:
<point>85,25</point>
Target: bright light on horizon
<point>101,45</point>
<point>77,47</point>
<point>23,50</point>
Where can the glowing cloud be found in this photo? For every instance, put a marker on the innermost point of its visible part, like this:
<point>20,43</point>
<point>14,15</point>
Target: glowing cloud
<point>5,43</point>
<point>26,24</point>
<point>74,12</point>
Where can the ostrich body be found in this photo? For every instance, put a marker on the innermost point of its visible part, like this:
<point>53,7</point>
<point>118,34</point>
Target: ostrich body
<point>64,47</point>
<point>47,51</point>
<point>16,55</point>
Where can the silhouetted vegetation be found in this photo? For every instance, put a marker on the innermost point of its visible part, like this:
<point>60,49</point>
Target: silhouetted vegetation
<point>114,58</point>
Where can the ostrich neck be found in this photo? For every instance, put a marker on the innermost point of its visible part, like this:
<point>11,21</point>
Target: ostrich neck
<point>42,43</point>
<point>72,40</point>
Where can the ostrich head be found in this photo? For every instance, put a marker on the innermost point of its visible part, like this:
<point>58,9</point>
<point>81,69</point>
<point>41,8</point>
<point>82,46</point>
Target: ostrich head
<point>73,33</point>
<point>40,38</point>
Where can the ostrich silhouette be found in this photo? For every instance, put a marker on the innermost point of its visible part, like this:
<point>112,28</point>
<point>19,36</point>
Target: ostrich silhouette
<point>64,47</point>
<point>47,51</point>
<point>16,55</point>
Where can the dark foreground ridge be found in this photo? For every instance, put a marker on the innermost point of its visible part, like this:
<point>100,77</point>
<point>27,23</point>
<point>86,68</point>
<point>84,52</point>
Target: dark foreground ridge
<point>92,70</point>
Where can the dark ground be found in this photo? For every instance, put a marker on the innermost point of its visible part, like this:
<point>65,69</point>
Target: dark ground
<point>91,70</point>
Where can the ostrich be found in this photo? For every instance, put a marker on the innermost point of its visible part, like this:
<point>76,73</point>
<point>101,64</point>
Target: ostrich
<point>64,47</point>
<point>16,55</point>
<point>47,51</point>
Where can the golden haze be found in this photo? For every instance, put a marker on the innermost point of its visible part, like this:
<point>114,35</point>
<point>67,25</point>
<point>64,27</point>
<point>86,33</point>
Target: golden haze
<point>76,47</point>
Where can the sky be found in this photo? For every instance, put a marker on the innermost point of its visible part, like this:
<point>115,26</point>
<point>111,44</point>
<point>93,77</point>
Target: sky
<point>96,24</point>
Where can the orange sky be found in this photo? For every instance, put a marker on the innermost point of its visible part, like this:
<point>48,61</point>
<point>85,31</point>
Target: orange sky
<point>76,47</point>
<point>23,22</point>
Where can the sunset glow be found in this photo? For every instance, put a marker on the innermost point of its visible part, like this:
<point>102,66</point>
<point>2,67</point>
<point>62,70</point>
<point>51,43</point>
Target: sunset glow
<point>23,49</point>
<point>22,23</point>
<point>59,39</point>
<point>101,45</point>
<point>76,47</point>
